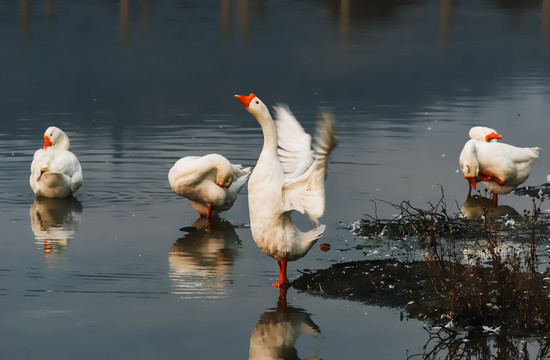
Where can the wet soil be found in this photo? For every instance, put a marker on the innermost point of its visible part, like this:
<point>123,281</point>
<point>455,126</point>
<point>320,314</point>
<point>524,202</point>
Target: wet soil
<point>374,282</point>
<point>499,286</point>
<point>409,286</point>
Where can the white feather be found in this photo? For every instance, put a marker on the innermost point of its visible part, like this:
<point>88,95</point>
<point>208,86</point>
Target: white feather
<point>198,179</point>
<point>55,171</point>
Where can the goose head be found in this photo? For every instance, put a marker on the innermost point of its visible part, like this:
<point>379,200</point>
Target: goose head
<point>56,138</point>
<point>224,179</point>
<point>254,105</point>
<point>468,163</point>
<point>224,169</point>
<point>483,133</point>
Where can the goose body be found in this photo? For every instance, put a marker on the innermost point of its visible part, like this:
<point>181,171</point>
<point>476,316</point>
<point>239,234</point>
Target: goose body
<point>289,175</point>
<point>55,171</point>
<point>211,182</point>
<point>501,167</point>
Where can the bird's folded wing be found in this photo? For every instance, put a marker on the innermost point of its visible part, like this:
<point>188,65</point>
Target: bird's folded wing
<point>40,164</point>
<point>65,163</point>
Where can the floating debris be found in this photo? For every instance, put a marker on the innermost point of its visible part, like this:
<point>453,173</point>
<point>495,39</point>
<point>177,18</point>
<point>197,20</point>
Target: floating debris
<point>325,247</point>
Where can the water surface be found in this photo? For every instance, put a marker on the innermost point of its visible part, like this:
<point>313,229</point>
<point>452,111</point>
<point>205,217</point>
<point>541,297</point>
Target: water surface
<point>137,85</point>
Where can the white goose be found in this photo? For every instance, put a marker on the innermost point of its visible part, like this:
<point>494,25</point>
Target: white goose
<point>500,166</point>
<point>478,133</point>
<point>288,176</point>
<point>211,182</point>
<point>55,171</point>
<point>483,133</point>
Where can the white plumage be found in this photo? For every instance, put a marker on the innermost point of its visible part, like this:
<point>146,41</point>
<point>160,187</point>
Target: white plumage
<point>483,133</point>
<point>211,182</point>
<point>289,175</point>
<point>500,166</point>
<point>55,171</point>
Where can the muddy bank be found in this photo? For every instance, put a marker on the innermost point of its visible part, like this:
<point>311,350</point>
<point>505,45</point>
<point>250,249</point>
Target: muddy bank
<point>473,274</point>
<point>414,287</point>
<point>374,282</point>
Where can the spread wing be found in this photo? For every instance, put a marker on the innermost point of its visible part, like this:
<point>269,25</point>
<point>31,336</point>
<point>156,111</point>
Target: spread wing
<point>306,192</point>
<point>295,153</point>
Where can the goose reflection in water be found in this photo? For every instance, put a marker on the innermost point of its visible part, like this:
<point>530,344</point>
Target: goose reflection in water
<point>54,222</point>
<point>276,333</point>
<point>200,262</point>
<point>477,206</point>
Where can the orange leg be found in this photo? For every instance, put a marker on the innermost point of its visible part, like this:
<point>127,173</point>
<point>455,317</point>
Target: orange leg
<point>209,211</point>
<point>495,199</point>
<point>282,273</point>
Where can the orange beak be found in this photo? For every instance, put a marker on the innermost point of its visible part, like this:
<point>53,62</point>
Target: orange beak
<point>245,100</point>
<point>223,186</point>
<point>47,141</point>
<point>471,181</point>
<point>492,136</point>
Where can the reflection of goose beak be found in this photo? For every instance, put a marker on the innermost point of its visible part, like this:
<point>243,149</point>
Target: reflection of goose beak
<point>47,247</point>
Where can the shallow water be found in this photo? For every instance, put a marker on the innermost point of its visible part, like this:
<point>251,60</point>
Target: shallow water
<point>137,85</point>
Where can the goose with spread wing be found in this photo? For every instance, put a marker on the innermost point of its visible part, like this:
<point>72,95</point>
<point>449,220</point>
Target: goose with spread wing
<point>289,175</point>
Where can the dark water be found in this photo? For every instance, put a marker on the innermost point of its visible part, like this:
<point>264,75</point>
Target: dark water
<point>139,84</point>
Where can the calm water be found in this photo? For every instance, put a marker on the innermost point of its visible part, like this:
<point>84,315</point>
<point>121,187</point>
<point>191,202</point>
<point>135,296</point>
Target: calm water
<point>139,84</point>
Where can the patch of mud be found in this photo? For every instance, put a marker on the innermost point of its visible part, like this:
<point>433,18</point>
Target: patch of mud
<point>374,282</point>
<point>474,273</point>
<point>412,286</point>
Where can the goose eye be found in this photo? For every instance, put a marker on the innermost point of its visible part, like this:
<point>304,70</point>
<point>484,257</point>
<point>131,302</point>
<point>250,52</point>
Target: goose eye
<point>257,102</point>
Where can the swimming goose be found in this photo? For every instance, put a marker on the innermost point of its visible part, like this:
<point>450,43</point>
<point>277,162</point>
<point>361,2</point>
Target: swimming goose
<point>500,166</point>
<point>288,176</point>
<point>211,182</point>
<point>55,171</point>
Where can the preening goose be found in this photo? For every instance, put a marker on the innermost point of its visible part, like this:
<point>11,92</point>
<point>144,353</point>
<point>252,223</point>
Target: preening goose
<point>500,166</point>
<point>55,171</point>
<point>210,182</point>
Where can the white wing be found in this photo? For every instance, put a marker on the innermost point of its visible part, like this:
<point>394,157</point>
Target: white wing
<point>306,193</point>
<point>295,153</point>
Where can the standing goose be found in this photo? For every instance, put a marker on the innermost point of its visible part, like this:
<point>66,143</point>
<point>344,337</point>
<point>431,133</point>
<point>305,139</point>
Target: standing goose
<point>476,133</point>
<point>210,182</point>
<point>288,176</point>
<point>500,166</point>
<point>55,171</point>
